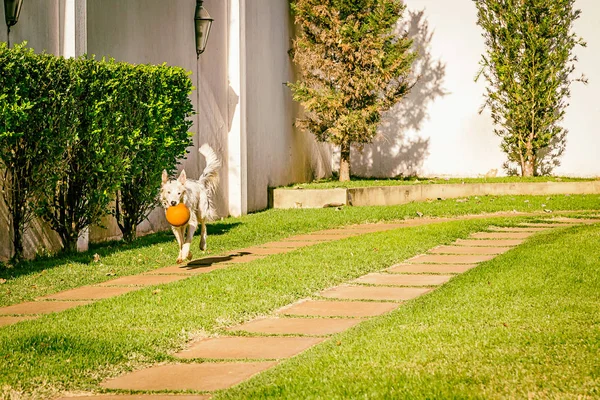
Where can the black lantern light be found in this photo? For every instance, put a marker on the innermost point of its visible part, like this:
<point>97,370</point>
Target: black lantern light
<point>202,22</point>
<point>12,8</point>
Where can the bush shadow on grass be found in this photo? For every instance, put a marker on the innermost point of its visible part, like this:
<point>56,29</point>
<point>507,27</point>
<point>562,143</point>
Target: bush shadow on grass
<point>103,250</point>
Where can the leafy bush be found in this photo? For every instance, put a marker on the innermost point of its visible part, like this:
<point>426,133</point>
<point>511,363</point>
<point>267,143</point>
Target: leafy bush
<point>32,130</point>
<point>77,134</point>
<point>157,136</point>
<point>353,66</point>
<point>529,65</point>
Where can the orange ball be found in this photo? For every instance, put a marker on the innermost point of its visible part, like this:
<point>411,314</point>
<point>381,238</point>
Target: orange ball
<point>178,215</point>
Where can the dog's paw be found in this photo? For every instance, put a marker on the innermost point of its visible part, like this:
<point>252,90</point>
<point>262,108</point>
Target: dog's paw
<point>179,261</point>
<point>189,257</point>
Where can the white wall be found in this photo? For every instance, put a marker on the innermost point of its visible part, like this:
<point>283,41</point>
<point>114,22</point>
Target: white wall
<point>278,154</point>
<point>438,131</point>
<point>156,32</point>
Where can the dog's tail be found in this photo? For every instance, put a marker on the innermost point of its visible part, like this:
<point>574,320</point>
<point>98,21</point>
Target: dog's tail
<point>209,181</point>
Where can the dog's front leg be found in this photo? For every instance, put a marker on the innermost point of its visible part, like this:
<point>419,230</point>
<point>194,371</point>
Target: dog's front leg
<point>178,232</point>
<point>185,250</point>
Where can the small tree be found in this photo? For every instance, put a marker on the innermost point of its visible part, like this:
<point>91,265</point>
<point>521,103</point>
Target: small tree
<point>31,131</point>
<point>94,159</point>
<point>156,121</point>
<point>352,65</point>
<point>528,65</point>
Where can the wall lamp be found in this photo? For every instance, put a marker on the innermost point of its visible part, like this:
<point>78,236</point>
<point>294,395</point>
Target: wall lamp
<point>203,22</point>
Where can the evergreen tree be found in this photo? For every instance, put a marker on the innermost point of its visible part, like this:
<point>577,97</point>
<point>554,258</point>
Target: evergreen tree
<point>528,64</point>
<point>352,67</point>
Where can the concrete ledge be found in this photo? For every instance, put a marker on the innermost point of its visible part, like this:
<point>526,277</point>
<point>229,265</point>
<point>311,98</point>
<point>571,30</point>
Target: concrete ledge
<point>394,195</point>
<point>309,198</point>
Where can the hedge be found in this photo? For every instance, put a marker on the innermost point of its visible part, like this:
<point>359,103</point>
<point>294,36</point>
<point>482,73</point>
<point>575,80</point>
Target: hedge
<point>76,134</point>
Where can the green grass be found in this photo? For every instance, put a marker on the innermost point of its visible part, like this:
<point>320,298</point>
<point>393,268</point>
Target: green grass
<point>524,325</point>
<point>357,182</point>
<point>50,275</point>
<point>76,349</point>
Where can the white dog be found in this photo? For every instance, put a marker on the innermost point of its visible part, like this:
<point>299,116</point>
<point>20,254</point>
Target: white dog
<point>198,196</point>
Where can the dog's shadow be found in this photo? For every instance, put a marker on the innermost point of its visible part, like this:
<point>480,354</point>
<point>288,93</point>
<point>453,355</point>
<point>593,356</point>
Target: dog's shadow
<point>210,261</point>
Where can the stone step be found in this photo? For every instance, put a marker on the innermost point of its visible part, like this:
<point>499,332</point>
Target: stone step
<point>288,244</point>
<point>449,259</point>
<point>502,235</point>
<point>267,251</point>
<point>143,280</point>
<point>90,293</point>
<point>194,269</point>
<point>403,280</point>
<point>241,347</point>
<point>338,308</point>
<point>518,229</point>
<point>40,307</point>
<point>430,268</point>
<point>469,250</point>
<point>296,326</point>
<point>489,242</point>
<point>200,377</point>
<point>373,293</point>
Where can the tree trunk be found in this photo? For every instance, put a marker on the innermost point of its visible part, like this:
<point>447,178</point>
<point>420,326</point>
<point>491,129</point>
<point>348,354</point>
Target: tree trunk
<point>345,163</point>
<point>529,167</point>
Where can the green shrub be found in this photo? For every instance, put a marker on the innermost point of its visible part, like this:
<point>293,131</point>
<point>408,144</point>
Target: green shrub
<point>76,134</point>
<point>32,130</point>
<point>157,136</point>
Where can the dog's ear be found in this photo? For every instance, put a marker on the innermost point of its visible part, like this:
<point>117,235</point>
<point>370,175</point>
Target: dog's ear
<point>165,176</point>
<point>182,177</point>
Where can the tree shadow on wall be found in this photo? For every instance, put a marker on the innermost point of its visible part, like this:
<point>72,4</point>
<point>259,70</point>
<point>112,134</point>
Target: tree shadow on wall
<point>398,150</point>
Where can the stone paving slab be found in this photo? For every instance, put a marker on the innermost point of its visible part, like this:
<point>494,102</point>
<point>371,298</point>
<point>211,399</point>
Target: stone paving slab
<point>554,224</point>
<point>89,293</point>
<point>518,229</point>
<point>240,347</point>
<point>501,235</point>
<point>142,397</point>
<point>430,268</point>
<point>13,320</point>
<point>373,293</point>
<point>143,280</point>
<point>187,270</point>
<point>40,307</point>
<point>298,326</point>
<point>201,377</point>
<point>311,238</point>
<point>243,259</point>
<point>403,280</point>
<point>450,258</point>
<point>489,242</point>
<point>469,250</point>
<point>266,251</point>
<point>288,244</point>
<point>332,308</point>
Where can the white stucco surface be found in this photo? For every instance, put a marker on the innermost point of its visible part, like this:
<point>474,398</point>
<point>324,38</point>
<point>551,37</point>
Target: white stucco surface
<point>438,130</point>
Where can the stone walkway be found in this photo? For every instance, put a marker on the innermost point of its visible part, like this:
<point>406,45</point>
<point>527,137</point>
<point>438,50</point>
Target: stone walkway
<point>221,362</point>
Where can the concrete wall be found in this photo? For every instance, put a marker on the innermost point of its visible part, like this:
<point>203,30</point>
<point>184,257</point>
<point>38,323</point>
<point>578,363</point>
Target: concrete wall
<point>156,32</point>
<point>437,130</point>
<point>278,154</point>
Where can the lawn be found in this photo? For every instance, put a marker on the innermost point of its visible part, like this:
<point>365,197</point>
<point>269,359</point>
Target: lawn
<point>524,325</point>
<point>357,182</point>
<point>76,349</point>
<point>48,275</point>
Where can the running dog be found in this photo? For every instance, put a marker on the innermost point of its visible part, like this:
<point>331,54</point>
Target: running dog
<point>198,196</point>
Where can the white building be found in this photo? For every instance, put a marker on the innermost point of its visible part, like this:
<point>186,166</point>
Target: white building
<point>246,112</point>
